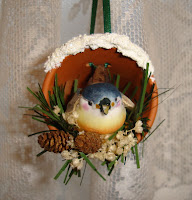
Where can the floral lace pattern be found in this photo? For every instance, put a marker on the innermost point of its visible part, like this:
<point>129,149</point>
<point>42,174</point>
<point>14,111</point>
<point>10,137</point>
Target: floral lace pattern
<point>30,31</point>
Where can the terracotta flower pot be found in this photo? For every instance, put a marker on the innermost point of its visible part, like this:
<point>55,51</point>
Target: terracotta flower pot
<point>74,67</point>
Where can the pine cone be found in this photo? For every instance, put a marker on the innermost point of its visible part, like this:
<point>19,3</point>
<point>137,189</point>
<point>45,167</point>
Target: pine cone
<point>88,142</point>
<point>54,141</point>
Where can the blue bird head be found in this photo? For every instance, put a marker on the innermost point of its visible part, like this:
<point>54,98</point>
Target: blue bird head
<point>103,95</point>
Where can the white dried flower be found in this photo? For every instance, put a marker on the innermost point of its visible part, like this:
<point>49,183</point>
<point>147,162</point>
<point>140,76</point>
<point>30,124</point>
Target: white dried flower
<point>91,155</point>
<point>126,150</point>
<point>100,156</point>
<point>138,129</point>
<point>119,151</point>
<point>110,142</point>
<point>139,123</point>
<point>56,110</point>
<point>66,155</point>
<point>107,136</point>
<point>64,116</point>
<point>138,126</point>
<point>130,136</point>
<point>119,135</point>
<point>74,154</point>
<point>116,162</point>
<point>122,143</point>
<point>80,165</point>
<point>103,148</point>
<point>112,148</point>
<point>81,132</point>
<point>110,156</point>
<point>77,163</point>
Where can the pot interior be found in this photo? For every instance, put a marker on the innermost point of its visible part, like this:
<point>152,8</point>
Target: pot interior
<point>75,67</point>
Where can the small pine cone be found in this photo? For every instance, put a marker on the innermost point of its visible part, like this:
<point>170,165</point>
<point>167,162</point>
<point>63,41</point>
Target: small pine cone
<point>54,141</point>
<point>88,142</point>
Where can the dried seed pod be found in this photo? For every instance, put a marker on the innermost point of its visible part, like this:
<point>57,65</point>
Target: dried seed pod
<point>88,142</point>
<point>55,141</point>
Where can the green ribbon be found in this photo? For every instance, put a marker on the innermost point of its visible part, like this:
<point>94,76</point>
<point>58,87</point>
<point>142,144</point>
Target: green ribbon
<point>106,16</point>
<point>93,16</point>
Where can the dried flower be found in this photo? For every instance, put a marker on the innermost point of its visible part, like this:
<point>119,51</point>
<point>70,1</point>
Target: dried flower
<point>64,116</point>
<point>112,148</point>
<point>119,135</point>
<point>77,163</point>
<point>110,156</point>
<point>119,151</point>
<point>106,137</point>
<point>68,155</point>
<point>139,123</point>
<point>100,156</point>
<point>56,110</point>
<point>138,126</point>
<point>122,143</point>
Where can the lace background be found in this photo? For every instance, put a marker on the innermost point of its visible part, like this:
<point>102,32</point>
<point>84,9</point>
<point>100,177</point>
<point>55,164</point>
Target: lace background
<point>30,31</point>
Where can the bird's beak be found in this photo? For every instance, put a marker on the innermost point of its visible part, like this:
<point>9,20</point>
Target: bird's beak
<point>105,105</point>
<point>106,109</point>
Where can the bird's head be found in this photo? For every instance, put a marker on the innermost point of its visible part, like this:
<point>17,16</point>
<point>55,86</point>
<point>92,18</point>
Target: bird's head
<point>101,109</point>
<point>100,97</point>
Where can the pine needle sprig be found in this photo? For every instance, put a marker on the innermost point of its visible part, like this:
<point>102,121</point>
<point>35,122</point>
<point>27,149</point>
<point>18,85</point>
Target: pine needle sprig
<point>111,166</point>
<point>66,174</point>
<point>83,173</point>
<point>126,87</point>
<point>39,132</point>
<point>62,169</point>
<point>115,133</point>
<point>41,153</point>
<point>142,94</point>
<point>45,111</point>
<point>91,164</point>
<point>154,130</point>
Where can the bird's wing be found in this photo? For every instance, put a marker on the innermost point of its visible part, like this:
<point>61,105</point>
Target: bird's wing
<point>73,102</point>
<point>127,102</point>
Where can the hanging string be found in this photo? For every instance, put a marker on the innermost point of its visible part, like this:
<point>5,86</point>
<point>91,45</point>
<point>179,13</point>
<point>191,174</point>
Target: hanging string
<point>93,16</point>
<point>106,16</point>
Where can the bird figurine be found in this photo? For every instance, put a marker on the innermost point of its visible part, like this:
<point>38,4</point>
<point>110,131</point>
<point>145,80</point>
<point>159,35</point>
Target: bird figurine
<point>101,107</point>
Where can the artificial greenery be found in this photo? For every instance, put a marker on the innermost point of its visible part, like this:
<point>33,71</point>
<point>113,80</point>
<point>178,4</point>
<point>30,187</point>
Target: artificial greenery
<point>44,112</point>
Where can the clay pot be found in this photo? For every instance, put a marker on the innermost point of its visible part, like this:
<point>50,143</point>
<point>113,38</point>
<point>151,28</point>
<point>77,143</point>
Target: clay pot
<point>74,67</point>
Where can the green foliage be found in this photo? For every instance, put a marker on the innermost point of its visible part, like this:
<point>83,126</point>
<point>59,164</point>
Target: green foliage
<point>45,111</point>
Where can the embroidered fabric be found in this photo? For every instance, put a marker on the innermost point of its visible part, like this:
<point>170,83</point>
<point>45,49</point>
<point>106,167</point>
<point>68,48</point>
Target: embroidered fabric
<point>30,31</point>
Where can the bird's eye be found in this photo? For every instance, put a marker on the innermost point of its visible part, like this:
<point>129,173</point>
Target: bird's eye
<point>90,103</point>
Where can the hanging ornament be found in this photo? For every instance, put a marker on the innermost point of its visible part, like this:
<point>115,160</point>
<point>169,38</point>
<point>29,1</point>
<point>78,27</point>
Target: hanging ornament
<point>99,99</point>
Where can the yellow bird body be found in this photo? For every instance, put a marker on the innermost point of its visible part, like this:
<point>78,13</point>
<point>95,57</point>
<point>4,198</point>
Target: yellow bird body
<point>92,120</point>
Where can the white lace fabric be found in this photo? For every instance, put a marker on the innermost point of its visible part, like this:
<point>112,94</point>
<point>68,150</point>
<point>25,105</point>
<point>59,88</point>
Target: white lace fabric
<point>30,31</point>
